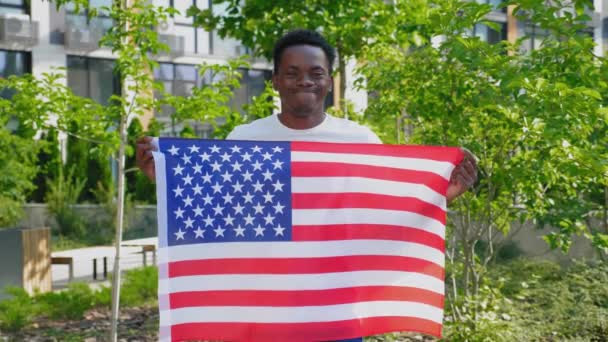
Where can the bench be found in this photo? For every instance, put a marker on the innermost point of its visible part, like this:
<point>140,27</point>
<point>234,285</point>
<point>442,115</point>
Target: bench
<point>65,261</point>
<point>144,250</point>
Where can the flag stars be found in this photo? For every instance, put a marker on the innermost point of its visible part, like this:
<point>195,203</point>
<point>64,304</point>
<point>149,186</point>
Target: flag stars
<point>259,209</point>
<point>193,149</point>
<point>178,191</point>
<point>259,230</point>
<point>214,149</point>
<point>278,208</point>
<point>199,233</point>
<point>188,180</point>
<point>219,231</point>
<point>248,219</point>
<point>207,199</point>
<point>198,190</point>
<point>227,177</point>
<point>267,175</point>
<point>217,188</point>
<point>247,176</point>
<point>277,149</point>
<point>235,149</point>
<point>278,230</point>
<point>248,197</point>
<point>256,149</point>
<point>173,150</point>
<point>205,157</point>
<point>229,220</point>
<point>216,166</point>
<point>266,156</point>
<point>218,209</point>
<point>269,219</point>
<point>198,168</point>
<point>257,166</point>
<point>246,156</point>
<point>268,197</point>
<point>238,187</point>
<point>178,170</point>
<point>198,211</point>
<point>179,235</point>
<point>278,165</point>
<point>186,159</point>
<point>207,178</point>
<point>238,209</point>
<point>189,222</point>
<point>179,213</point>
<point>225,157</point>
<point>236,166</point>
<point>188,201</point>
<point>258,186</point>
<point>239,231</point>
<point>278,186</point>
<point>208,221</point>
<point>227,198</point>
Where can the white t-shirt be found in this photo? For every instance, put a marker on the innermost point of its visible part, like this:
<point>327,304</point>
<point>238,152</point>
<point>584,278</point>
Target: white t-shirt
<point>332,129</point>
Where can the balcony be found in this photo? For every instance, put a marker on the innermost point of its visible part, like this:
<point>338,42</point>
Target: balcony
<point>82,39</point>
<point>176,44</point>
<point>18,30</point>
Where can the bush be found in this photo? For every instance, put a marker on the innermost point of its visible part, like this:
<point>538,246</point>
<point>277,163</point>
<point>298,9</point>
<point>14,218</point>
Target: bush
<point>140,286</point>
<point>18,311</point>
<point>63,194</point>
<point>71,303</point>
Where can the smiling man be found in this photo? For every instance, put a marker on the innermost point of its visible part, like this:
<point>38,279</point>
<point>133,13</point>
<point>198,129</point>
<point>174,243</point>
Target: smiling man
<point>302,75</point>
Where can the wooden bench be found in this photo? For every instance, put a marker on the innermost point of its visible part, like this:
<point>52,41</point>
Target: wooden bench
<point>65,261</point>
<point>144,250</point>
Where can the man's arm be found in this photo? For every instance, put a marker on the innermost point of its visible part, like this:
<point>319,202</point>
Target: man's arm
<point>463,177</point>
<point>143,157</point>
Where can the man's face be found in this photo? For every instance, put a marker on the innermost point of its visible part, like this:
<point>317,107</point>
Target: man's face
<point>302,80</point>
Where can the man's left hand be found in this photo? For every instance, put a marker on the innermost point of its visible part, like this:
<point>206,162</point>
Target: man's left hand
<point>463,176</point>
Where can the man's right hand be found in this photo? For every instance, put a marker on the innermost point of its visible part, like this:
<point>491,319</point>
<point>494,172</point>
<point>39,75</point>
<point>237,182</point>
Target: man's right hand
<point>143,157</point>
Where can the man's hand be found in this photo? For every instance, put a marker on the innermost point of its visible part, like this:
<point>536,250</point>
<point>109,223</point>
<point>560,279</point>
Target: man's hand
<point>463,176</point>
<point>143,157</point>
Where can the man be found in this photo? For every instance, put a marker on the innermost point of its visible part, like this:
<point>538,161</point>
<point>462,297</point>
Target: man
<point>302,75</point>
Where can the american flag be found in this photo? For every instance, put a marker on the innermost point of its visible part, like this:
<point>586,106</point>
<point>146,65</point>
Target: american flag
<point>299,241</point>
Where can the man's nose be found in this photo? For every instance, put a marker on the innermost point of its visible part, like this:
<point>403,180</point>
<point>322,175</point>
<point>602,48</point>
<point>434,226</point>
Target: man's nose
<point>305,81</point>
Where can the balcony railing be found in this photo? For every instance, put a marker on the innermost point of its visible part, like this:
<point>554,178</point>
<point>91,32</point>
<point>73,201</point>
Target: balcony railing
<point>18,30</point>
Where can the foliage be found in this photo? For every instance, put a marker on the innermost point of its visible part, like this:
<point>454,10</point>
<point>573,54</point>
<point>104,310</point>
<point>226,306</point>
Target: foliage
<point>16,312</point>
<point>140,286</point>
<point>63,194</point>
<point>71,303</point>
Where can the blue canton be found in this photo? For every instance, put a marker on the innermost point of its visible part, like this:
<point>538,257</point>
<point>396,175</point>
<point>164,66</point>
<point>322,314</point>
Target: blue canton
<point>227,191</point>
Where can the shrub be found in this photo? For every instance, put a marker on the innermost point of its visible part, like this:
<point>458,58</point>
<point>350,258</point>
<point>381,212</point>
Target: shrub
<point>140,286</point>
<point>18,311</point>
<point>71,303</point>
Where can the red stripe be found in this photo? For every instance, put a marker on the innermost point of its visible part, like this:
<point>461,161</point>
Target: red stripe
<point>365,200</point>
<point>305,297</point>
<point>320,169</point>
<point>367,232</point>
<point>304,265</point>
<point>302,332</point>
<point>440,153</point>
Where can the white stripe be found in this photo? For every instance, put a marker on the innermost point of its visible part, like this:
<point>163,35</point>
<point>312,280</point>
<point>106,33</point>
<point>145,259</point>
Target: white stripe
<point>161,196</point>
<point>441,168</point>
<point>326,313</point>
<point>366,185</point>
<point>367,216</point>
<point>304,249</point>
<point>296,282</point>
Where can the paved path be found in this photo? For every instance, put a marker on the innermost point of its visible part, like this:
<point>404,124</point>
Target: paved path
<point>131,257</point>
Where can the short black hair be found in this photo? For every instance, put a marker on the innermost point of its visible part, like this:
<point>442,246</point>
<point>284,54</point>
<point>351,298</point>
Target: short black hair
<point>303,37</point>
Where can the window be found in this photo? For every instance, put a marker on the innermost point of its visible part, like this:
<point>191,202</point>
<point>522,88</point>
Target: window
<point>196,40</point>
<point>252,84</point>
<point>93,78</point>
<point>13,63</point>
<point>487,34</point>
<point>14,6</point>
<point>101,23</point>
<point>494,4</point>
<point>535,37</point>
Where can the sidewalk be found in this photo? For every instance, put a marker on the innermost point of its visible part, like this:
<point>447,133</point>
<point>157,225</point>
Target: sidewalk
<point>131,257</point>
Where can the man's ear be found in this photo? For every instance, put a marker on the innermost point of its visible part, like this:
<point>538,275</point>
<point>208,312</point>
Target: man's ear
<point>274,79</point>
<point>331,83</point>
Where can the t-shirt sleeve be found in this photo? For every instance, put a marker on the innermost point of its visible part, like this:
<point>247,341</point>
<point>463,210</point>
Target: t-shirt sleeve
<point>235,134</point>
<point>372,138</point>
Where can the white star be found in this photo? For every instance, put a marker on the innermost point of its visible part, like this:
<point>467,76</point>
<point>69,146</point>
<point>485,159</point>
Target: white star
<point>247,176</point>
<point>225,157</point>
<point>189,223</point>
<point>267,175</point>
<point>238,209</point>
<point>269,218</point>
<point>216,166</point>
<point>268,197</point>
<point>205,156</point>
<point>278,231</point>
<point>238,187</point>
<point>278,208</point>
<point>217,187</point>
<point>239,231</point>
<point>207,199</point>
<point>259,209</point>
<point>235,149</point>
<point>236,166</point>
<point>259,230</point>
<point>198,190</point>
<point>207,178</point>
<point>188,201</point>
<point>257,166</point>
<point>278,164</point>
<point>228,220</point>
<point>277,149</point>
<point>215,149</point>
<point>278,186</point>
<point>179,213</point>
<point>248,197</point>
<point>186,159</point>
<point>198,211</point>
<point>227,198</point>
<point>227,177</point>
<point>178,170</point>
<point>267,156</point>
<point>257,149</point>
<point>198,168</point>
<point>173,150</point>
<point>219,231</point>
<point>193,149</point>
<point>199,233</point>
<point>178,191</point>
<point>188,180</point>
<point>179,235</point>
<point>208,221</point>
<point>248,219</point>
<point>246,156</point>
<point>258,186</point>
<point>218,209</point>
